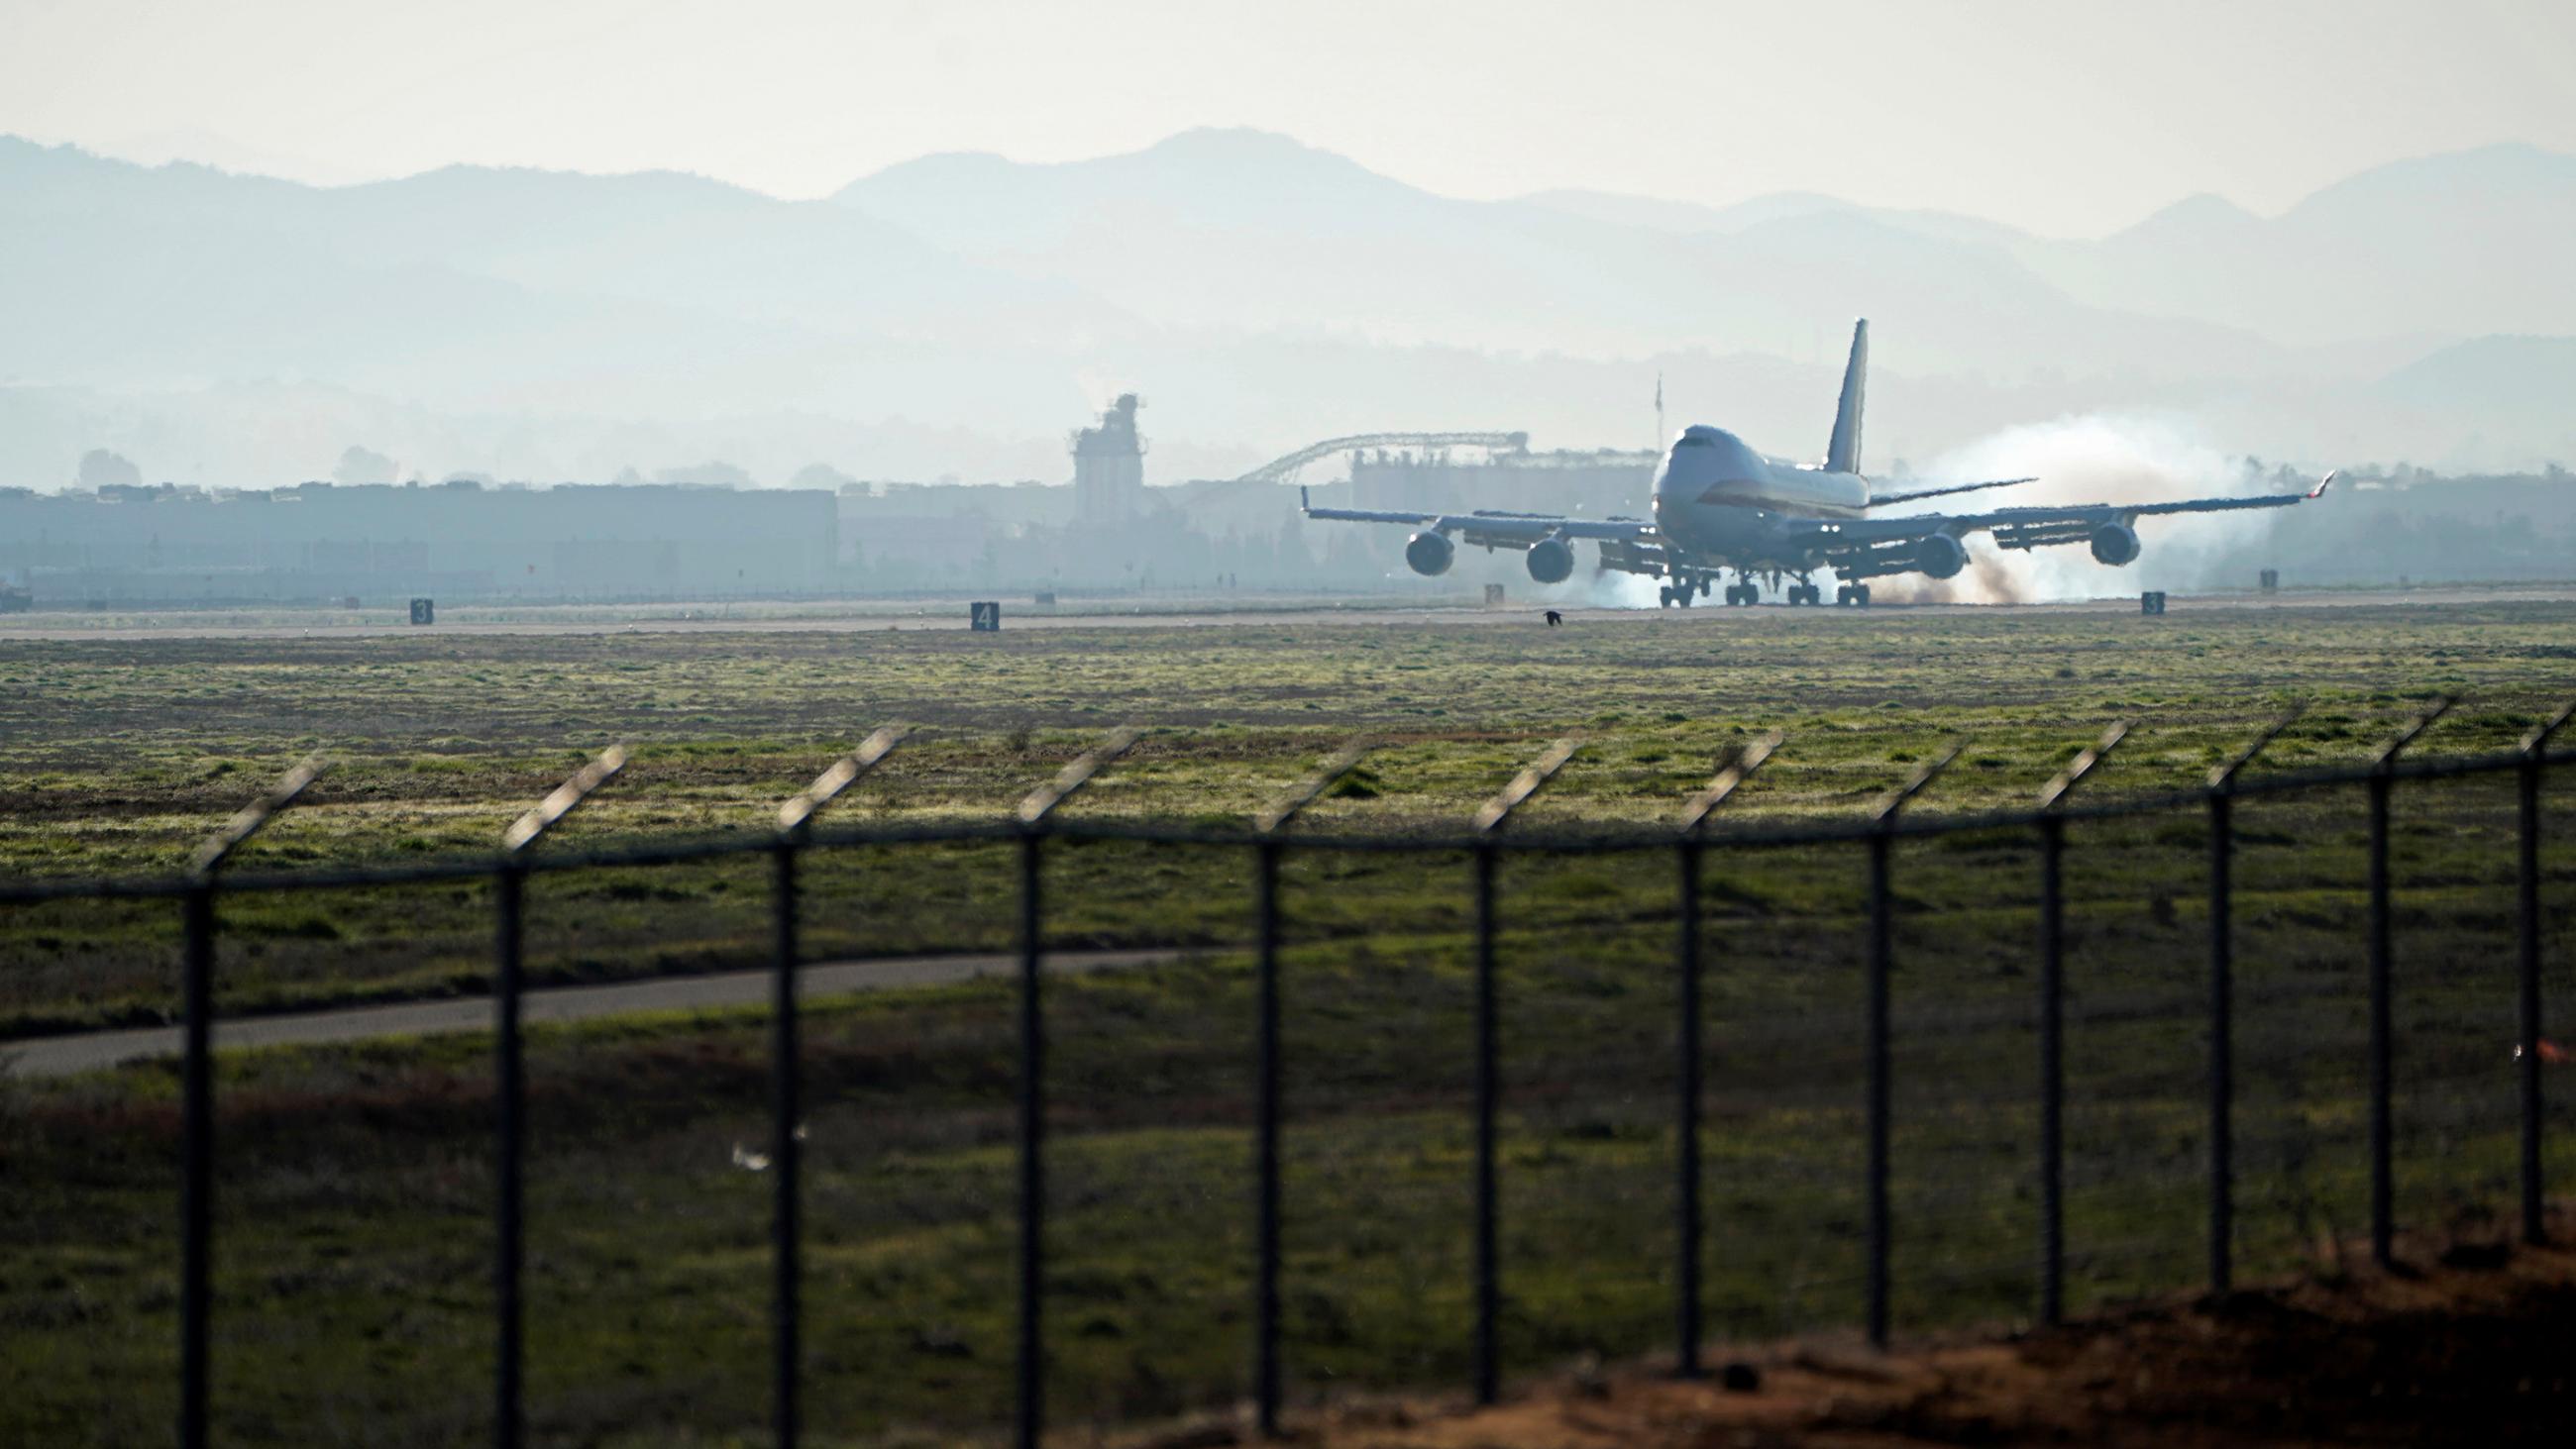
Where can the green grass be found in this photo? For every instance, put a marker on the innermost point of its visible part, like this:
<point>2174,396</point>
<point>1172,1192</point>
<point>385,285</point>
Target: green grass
<point>355,1185</point>
<point>128,753</point>
<point>355,1182</point>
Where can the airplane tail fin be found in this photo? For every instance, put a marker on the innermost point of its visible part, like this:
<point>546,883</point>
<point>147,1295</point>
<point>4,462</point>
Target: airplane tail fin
<point>1842,455</point>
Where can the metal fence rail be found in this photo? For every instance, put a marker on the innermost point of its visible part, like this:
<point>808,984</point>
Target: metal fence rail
<point>1267,839</point>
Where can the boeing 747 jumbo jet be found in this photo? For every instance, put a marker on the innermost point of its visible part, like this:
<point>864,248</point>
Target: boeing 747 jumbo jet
<point>1721,506</point>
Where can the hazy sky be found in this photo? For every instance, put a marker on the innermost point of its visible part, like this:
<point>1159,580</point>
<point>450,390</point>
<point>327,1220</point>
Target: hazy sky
<point>2069,117</point>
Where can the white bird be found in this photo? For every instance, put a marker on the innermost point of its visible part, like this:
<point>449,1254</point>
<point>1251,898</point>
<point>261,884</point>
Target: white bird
<point>748,1160</point>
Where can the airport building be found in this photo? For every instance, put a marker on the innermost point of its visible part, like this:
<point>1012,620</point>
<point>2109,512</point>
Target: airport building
<point>1594,484</point>
<point>1109,467</point>
<point>141,545</point>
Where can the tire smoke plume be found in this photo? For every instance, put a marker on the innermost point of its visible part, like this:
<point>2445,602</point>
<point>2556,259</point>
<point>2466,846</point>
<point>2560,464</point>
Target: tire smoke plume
<point>2094,459</point>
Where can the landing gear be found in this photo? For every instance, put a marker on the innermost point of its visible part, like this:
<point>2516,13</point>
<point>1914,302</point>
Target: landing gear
<point>1806,594</point>
<point>1855,595</point>
<point>1680,594</point>
<point>1746,593</point>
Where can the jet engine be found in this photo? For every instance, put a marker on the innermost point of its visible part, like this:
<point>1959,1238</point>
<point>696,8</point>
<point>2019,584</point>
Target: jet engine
<point>1551,560</point>
<point>1940,555</point>
<point>2115,544</point>
<point>1429,553</point>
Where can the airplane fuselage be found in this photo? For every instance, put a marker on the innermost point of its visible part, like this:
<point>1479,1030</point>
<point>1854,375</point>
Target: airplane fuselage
<point>1721,503</point>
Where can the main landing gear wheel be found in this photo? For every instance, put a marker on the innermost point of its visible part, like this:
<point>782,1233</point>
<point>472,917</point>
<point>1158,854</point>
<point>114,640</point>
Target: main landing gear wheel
<point>1806,594</point>
<point>1856,595</point>
<point>1747,594</point>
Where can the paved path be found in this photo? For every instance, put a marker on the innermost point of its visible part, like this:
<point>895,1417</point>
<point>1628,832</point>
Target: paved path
<point>91,1051</point>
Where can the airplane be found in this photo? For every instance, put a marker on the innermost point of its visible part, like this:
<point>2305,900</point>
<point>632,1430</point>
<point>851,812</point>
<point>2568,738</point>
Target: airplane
<point>1720,507</point>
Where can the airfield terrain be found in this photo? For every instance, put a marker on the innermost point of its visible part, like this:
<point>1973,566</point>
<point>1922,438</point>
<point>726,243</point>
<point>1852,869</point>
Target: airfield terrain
<point>354,1180</point>
<point>1074,612</point>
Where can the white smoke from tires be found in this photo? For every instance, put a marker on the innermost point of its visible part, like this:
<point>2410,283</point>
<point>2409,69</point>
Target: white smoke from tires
<point>2092,459</point>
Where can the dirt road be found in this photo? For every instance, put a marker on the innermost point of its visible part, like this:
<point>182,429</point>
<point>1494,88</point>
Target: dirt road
<point>92,1051</point>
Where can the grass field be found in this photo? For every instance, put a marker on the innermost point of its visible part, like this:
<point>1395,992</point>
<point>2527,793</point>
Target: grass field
<point>355,1183</point>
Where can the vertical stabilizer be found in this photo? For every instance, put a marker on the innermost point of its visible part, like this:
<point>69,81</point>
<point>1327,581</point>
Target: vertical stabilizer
<point>1842,455</point>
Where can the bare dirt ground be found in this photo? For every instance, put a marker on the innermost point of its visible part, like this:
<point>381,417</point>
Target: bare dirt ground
<point>2467,1342</point>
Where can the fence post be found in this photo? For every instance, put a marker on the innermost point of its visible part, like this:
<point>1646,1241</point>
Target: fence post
<point>2383,1173</point>
<point>1032,1347</point>
<point>1881,951</point>
<point>1688,1227</point>
<point>509,1091</point>
<point>2052,1072</point>
<point>2222,1040</point>
<point>1265,1152</point>
<point>1032,816</point>
<point>786,1145</point>
<point>1490,818</point>
<point>2052,1026</point>
<point>197,1095</point>
<point>785,1268</point>
<point>197,1161</point>
<point>2222,1002</point>
<point>2535,746</point>
<point>1488,1248</point>
<point>509,1419</point>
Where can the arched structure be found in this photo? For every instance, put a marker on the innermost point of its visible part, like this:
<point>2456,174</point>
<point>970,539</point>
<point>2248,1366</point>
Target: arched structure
<point>1281,470</point>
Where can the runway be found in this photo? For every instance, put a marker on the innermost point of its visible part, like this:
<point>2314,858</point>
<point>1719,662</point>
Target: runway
<point>59,1056</point>
<point>951,616</point>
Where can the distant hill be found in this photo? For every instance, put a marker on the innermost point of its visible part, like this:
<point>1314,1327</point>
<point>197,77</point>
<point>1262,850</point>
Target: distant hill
<point>479,287</point>
<point>2467,243</point>
<point>1251,231</point>
<point>2432,247</point>
<point>1684,216</point>
<point>1260,293</point>
<point>2495,380</point>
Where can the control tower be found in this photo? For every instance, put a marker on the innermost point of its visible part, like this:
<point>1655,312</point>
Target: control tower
<point>1109,466</point>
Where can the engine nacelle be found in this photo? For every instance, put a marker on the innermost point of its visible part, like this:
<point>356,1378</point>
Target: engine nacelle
<point>1551,560</point>
<point>2115,544</point>
<point>1429,553</point>
<point>1940,555</point>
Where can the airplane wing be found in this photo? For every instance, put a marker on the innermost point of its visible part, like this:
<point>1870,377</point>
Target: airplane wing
<point>1881,500</point>
<point>2029,527</point>
<point>1491,527</point>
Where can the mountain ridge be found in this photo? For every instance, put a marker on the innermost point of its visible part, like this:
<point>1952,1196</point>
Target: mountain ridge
<point>1267,292</point>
